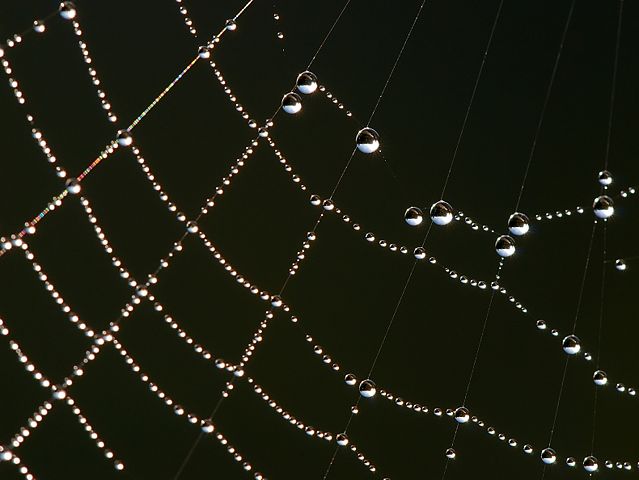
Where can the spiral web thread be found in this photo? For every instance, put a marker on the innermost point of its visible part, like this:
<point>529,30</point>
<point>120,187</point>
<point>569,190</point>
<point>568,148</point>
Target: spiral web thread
<point>141,289</point>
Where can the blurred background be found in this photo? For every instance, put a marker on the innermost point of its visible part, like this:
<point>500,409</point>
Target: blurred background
<point>346,290</point>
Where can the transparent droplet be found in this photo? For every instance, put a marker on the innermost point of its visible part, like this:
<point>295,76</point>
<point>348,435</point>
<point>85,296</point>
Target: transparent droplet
<point>207,426</point>
<point>450,453</point>
<point>124,138</point>
<point>38,26</point>
<point>419,253</point>
<point>291,103</point>
<point>6,455</point>
<point>230,24</point>
<point>316,200</point>
<point>528,449</point>
<point>276,301</point>
<point>462,415</point>
<point>591,464</point>
<point>605,178</point>
<point>67,10</point>
<point>600,378</point>
<point>73,186</point>
<point>341,439</point>
<point>413,216</point>
<point>367,140</point>
<point>571,462</point>
<point>548,456</point>
<point>306,82</point>
<point>204,53</point>
<point>518,224</point>
<point>505,246</point>
<point>620,265</point>
<point>441,213</point>
<point>350,379</point>
<point>367,388</point>
<point>541,325</point>
<point>571,345</point>
<point>603,206</point>
<point>192,226</point>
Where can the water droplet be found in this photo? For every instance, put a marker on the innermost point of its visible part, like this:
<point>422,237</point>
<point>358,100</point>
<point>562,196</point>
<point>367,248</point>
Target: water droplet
<point>620,265</point>
<point>38,26</point>
<point>367,140</point>
<point>571,462</point>
<point>192,226</point>
<point>548,456</point>
<point>541,325</point>
<point>207,426</point>
<point>528,449</point>
<point>462,415</point>
<point>291,103</point>
<point>420,253</point>
<point>505,246</point>
<point>67,10</point>
<point>600,378</point>
<point>450,453</point>
<point>367,388</point>
<point>276,301</point>
<point>350,379</point>
<point>605,178</point>
<point>603,206</point>
<point>591,464</point>
<point>230,24</point>
<point>341,439</point>
<point>518,224</point>
<point>413,216</point>
<point>204,53</point>
<point>73,186</point>
<point>571,345</point>
<point>441,213</point>
<point>124,138</point>
<point>306,82</point>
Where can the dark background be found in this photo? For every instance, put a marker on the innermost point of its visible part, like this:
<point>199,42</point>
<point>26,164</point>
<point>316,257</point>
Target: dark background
<point>346,290</point>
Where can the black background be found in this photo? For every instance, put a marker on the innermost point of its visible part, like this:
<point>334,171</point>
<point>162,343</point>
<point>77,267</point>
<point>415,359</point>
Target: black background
<point>347,289</point>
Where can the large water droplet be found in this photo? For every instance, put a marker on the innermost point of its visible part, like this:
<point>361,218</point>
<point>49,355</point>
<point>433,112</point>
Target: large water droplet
<point>441,213</point>
<point>306,82</point>
<point>600,378</point>
<point>367,140</point>
<point>462,415</point>
<point>204,53</point>
<point>413,216</point>
<point>505,246</point>
<point>571,345</point>
<point>124,138</point>
<point>67,10</point>
<point>591,464</point>
<point>603,206</point>
<point>605,178</point>
<point>548,456</point>
<point>73,186</point>
<point>367,388</point>
<point>518,224</point>
<point>291,103</point>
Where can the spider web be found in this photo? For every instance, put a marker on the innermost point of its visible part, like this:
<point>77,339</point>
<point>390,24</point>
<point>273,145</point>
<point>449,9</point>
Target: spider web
<point>142,287</point>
